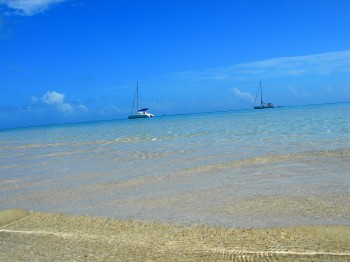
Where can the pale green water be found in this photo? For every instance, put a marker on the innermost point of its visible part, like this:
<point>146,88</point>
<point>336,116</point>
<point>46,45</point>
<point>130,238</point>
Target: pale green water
<point>199,168</point>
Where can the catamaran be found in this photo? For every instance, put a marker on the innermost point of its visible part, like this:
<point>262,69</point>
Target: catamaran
<point>262,105</point>
<point>138,113</point>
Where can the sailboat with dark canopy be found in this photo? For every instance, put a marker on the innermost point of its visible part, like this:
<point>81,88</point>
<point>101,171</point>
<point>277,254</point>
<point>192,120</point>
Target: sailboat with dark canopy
<point>138,113</point>
<point>262,105</point>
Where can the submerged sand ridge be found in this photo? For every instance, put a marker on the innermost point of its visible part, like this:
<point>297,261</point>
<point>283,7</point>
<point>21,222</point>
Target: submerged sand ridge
<point>310,188</point>
<point>43,236</point>
<point>230,205</point>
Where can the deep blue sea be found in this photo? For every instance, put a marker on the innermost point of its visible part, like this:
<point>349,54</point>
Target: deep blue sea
<point>248,168</point>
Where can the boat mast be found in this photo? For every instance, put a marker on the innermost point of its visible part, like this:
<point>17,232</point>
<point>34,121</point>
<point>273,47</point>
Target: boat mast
<point>261,100</point>
<point>137,96</point>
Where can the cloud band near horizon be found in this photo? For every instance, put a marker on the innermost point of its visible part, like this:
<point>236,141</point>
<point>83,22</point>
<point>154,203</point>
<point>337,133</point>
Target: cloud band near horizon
<point>321,64</point>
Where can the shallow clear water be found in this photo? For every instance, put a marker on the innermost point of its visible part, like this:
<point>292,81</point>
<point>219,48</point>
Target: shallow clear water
<point>170,156</point>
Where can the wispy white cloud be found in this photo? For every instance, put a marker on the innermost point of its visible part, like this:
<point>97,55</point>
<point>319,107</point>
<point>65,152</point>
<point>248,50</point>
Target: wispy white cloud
<point>296,93</point>
<point>56,100</point>
<point>321,64</point>
<point>29,7</point>
<point>53,98</point>
<point>243,95</point>
<point>49,108</point>
<point>82,108</point>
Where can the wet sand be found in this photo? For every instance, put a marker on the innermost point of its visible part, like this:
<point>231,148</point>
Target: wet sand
<point>34,236</point>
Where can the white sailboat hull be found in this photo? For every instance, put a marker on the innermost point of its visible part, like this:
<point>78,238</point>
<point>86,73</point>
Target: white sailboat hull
<point>141,115</point>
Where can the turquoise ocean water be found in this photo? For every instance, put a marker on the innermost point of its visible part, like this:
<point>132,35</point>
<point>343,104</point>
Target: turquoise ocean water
<point>249,168</point>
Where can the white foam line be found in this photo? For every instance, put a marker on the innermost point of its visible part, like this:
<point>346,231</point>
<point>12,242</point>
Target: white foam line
<point>226,252</point>
<point>15,222</point>
<point>221,251</point>
<point>42,232</point>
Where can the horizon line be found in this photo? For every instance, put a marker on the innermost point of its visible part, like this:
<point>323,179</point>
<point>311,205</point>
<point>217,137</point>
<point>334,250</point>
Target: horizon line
<point>164,115</point>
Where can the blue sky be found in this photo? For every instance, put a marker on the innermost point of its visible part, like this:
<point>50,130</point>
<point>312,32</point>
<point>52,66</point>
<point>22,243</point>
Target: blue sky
<point>79,60</point>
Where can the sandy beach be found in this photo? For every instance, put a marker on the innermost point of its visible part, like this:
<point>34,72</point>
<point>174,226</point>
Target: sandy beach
<point>34,236</point>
